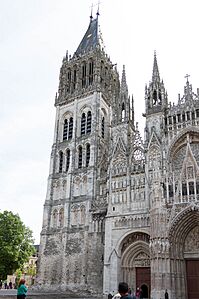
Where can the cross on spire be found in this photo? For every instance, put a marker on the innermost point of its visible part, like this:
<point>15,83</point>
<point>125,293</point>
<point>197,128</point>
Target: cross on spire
<point>187,76</point>
<point>93,5</point>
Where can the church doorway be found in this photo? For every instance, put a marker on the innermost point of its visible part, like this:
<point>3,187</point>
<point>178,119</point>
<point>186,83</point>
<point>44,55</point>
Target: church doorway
<point>192,269</point>
<point>143,280</point>
<point>135,262</point>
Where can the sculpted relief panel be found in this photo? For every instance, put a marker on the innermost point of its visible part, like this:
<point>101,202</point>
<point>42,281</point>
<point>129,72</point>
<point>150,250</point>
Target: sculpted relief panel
<point>142,260</point>
<point>192,241</point>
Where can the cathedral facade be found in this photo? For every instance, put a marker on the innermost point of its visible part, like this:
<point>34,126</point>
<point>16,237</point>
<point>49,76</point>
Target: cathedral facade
<point>119,208</point>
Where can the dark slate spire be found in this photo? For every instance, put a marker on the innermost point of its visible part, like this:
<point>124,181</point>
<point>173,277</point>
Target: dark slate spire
<point>155,75</point>
<point>90,39</point>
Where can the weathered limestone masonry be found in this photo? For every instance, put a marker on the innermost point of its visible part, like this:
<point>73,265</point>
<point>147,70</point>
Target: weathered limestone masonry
<point>117,207</point>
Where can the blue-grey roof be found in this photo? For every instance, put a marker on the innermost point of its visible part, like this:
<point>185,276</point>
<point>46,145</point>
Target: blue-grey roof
<point>90,39</point>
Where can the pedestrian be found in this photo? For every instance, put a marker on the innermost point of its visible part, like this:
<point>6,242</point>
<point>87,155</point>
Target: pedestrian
<point>10,284</point>
<point>5,285</point>
<point>137,293</point>
<point>123,290</point>
<point>110,296</point>
<point>1,283</point>
<point>22,289</point>
<point>166,295</point>
<point>117,296</point>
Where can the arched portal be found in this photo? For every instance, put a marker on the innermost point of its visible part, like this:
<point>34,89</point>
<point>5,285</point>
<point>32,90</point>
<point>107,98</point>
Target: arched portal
<point>135,261</point>
<point>184,240</point>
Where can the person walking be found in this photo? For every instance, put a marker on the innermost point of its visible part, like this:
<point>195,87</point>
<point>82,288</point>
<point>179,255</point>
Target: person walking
<point>123,290</point>
<point>22,289</point>
<point>166,295</point>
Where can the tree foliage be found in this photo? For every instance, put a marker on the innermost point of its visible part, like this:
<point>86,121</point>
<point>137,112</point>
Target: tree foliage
<point>16,243</point>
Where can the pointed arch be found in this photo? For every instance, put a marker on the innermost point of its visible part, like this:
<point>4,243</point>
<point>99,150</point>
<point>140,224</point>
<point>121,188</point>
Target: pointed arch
<point>61,157</point>
<point>54,218</point>
<point>61,217</point>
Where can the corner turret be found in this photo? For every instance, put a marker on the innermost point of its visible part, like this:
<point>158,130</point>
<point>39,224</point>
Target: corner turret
<point>155,93</point>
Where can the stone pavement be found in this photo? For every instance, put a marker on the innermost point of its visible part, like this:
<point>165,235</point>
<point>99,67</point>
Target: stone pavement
<point>11,294</point>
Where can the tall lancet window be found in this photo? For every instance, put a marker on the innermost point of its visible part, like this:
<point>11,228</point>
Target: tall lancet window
<point>60,161</point>
<point>74,78</point>
<point>65,132</point>
<point>87,154</point>
<point>67,159</point>
<point>89,119</point>
<point>90,78</point>
<point>69,80</point>
<point>83,124</point>
<point>123,112</point>
<point>102,127</point>
<point>70,132</point>
<point>80,157</point>
<point>191,188</point>
<point>84,74</point>
<point>155,98</point>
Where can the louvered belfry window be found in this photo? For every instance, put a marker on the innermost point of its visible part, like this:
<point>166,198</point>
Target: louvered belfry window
<point>83,124</point>
<point>89,119</point>
<point>80,157</point>
<point>67,159</point>
<point>87,154</point>
<point>65,132</point>
<point>60,161</point>
<point>70,132</point>
<point>102,127</point>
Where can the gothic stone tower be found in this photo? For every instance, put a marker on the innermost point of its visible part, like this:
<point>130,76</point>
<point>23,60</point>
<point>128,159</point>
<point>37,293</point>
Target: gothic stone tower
<point>118,208</point>
<point>72,237</point>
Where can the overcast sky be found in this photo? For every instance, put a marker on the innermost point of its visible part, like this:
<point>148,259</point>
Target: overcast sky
<point>34,37</point>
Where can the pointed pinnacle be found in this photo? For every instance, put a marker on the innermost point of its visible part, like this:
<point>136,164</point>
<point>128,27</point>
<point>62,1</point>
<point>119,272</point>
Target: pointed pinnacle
<point>155,75</point>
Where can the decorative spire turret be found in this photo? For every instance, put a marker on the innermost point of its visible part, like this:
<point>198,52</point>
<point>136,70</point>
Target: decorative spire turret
<point>124,105</point>
<point>124,87</point>
<point>155,94</point>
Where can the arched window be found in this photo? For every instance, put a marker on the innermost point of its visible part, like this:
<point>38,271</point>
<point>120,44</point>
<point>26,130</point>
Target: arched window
<point>60,161</point>
<point>89,119</point>
<point>84,74</point>
<point>102,127</point>
<point>70,132</point>
<point>54,220</point>
<point>67,159</point>
<point>123,112</point>
<point>87,154</point>
<point>184,189</point>
<point>83,124</point>
<point>90,78</point>
<point>80,157</point>
<point>61,217</point>
<point>191,188</point>
<point>155,97</point>
<point>65,131</point>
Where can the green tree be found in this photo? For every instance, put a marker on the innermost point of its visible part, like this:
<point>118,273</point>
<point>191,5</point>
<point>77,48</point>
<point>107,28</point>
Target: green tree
<point>16,243</point>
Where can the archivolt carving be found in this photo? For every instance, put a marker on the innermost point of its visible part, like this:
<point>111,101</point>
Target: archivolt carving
<point>181,225</point>
<point>137,254</point>
<point>137,236</point>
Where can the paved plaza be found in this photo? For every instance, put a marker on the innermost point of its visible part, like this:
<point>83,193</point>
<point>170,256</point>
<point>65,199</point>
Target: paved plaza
<point>10,294</point>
